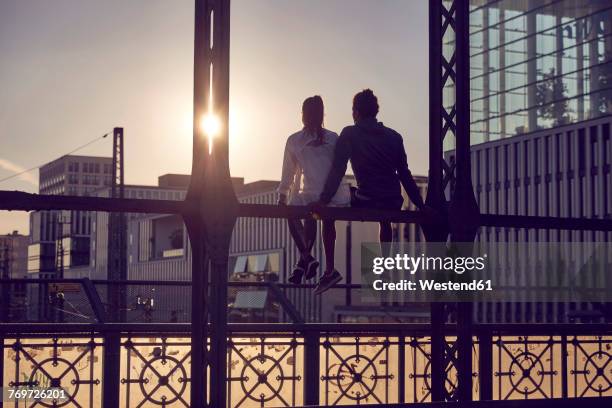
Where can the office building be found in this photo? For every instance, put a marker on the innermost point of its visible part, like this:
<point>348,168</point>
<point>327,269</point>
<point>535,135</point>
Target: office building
<point>538,65</point>
<point>60,239</point>
<point>13,255</point>
<point>165,239</point>
<point>541,105</point>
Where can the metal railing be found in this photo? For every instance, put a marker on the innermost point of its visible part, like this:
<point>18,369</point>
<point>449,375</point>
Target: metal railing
<point>289,365</point>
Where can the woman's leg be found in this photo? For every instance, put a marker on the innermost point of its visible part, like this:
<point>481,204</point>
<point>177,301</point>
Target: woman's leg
<point>296,229</point>
<point>329,244</point>
<point>310,234</point>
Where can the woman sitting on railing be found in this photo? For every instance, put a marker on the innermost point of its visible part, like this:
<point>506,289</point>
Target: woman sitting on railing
<point>307,161</point>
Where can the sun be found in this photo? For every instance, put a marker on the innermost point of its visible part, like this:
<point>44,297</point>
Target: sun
<point>211,125</point>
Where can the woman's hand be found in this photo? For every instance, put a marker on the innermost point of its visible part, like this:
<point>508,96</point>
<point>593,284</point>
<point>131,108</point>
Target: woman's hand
<point>282,199</point>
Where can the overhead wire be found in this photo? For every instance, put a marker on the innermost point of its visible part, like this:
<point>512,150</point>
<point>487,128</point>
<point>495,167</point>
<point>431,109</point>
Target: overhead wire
<point>12,176</point>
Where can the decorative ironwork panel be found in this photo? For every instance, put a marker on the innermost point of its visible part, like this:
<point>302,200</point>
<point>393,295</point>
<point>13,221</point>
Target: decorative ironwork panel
<point>527,367</point>
<point>551,367</point>
<point>356,370</point>
<point>155,372</point>
<point>270,371</point>
<point>74,364</point>
<point>590,366</point>
<point>418,369</point>
<point>265,371</point>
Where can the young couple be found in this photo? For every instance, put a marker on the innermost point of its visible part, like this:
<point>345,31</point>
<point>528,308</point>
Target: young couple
<point>314,164</point>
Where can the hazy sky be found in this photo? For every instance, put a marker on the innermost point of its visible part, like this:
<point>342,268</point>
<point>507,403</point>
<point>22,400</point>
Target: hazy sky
<point>71,70</point>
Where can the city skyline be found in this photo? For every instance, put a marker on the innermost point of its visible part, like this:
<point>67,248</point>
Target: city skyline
<point>137,61</point>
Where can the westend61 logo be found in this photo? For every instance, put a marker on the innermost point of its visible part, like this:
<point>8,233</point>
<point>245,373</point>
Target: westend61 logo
<point>411,264</point>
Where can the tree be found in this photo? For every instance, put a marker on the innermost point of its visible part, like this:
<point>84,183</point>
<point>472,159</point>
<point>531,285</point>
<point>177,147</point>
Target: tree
<point>551,99</point>
<point>603,93</point>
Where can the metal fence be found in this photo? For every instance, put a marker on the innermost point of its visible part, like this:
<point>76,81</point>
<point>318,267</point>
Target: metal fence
<point>293,365</point>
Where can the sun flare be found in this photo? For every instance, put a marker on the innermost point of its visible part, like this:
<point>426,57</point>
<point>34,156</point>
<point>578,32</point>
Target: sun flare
<point>211,125</point>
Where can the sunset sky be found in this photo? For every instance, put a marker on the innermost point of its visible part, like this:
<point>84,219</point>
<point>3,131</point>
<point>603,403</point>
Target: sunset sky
<point>71,70</point>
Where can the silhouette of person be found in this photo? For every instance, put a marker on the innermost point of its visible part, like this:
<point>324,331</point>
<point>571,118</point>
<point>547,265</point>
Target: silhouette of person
<point>379,162</point>
<point>307,161</point>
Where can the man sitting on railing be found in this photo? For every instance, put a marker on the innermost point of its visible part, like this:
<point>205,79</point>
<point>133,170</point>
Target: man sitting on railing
<point>380,165</point>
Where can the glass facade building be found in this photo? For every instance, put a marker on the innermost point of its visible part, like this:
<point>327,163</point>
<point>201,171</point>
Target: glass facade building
<point>538,64</point>
<point>540,127</point>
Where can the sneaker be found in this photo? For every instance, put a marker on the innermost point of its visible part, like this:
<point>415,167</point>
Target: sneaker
<point>327,281</point>
<point>310,266</point>
<point>296,274</point>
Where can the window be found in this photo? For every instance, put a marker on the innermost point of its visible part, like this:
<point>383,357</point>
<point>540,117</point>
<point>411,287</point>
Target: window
<point>533,66</point>
<point>241,264</point>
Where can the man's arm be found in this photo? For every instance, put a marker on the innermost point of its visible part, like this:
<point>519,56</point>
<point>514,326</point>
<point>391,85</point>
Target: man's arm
<point>407,180</point>
<point>342,153</point>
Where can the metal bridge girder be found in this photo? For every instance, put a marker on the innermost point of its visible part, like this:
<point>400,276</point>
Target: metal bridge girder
<point>213,206</point>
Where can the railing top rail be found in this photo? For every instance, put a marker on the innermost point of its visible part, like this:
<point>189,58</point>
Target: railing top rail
<point>21,201</point>
<point>280,329</point>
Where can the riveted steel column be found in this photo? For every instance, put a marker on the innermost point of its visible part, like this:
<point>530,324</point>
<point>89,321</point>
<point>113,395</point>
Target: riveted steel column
<point>199,317</point>
<point>485,365</point>
<point>213,203</point>
<point>193,222</point>
<point>111,366</point>
<point>312,373</point>
<point>221,205</point>
<point>463,211</point>
<point>435,190</point>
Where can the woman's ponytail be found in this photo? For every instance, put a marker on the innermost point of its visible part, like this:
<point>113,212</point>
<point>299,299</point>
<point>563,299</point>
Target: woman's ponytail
<point>312,114</point>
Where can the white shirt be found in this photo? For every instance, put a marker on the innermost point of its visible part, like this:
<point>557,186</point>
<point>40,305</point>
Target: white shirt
<point>306,164</point>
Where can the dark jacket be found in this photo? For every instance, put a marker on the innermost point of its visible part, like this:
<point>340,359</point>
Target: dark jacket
<point>379,163</point>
